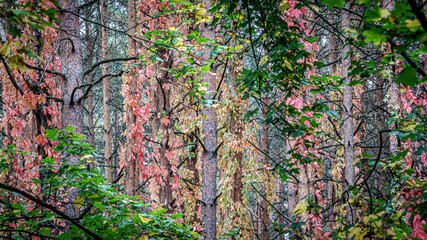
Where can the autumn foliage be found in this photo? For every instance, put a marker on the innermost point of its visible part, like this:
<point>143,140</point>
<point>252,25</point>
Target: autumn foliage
<point>215,120</point>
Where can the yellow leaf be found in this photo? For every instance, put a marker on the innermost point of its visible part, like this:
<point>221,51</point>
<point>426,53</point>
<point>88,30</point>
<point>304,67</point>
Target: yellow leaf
<point>204,19</point>
<point>160,209</point>
<point>180,45</point>
<point>300,207</point>
<point>285,6</point>
<point>413,23</point>
<point>94,196</point>
<point>173,29</point>
<point>201,13</point>
<point>384,13</point>
<point>5,49</point>
<point>357,232</point>
<point>366,220</point>
<point>86,157</point>
<point>78,202</point>
<point>144,220</point>
<point>17,61</point>
<point>410,126</point>
<point>376,224</point>
<point>263,59</point>
<point>145,237</point>
<point>392,165</point>
<point>316,8</point>
<point>287,64</point>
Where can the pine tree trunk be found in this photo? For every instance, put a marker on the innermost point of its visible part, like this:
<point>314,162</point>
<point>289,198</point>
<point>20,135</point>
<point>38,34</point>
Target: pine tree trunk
<point>210,167</point>
<point>130,181</point>
<point>106,95</point>
<point>89,81</point>
<point>70,54</point>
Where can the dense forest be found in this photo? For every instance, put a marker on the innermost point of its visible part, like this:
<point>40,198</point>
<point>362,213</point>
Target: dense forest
<point>202,119</point>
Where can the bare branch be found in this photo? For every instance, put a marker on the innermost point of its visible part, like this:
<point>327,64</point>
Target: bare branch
<point>12,79</point>
<point>108,61</point>
<point>90,85</point>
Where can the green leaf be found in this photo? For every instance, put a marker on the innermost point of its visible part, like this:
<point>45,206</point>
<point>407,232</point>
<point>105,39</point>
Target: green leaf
<point>375,36</point>
<point>408,76</point>
<point>205,69</point>
<point>332,3</point>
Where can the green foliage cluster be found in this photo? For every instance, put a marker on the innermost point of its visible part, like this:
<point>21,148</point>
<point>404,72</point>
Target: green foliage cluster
<point>104,212</point>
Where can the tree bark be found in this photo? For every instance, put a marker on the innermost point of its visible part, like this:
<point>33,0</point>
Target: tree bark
<point>130,181</point>
<point>236,128</point>
<point>70,54</point>
<point>162,104</point>
<point>349,171</point>
<point>209,188</point>
<point>106,95</point>
<point>265,148</point>
<point>89,81</point>
<point>333,56</point>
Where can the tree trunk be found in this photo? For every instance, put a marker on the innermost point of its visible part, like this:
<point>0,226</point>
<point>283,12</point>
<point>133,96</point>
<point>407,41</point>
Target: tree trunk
<point>209,187</point>
<point>162,104</point>
<point>292,185</point>
<point>70,54</point>
<point>3,26</point>
<point>130,181</point>
<point>265,146</point>
<point>237,129</point>
<point>106,95</point>
<point>279,204</point>
<point>89,81</point>
<point>333,56</point>
<point>348,114</point>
